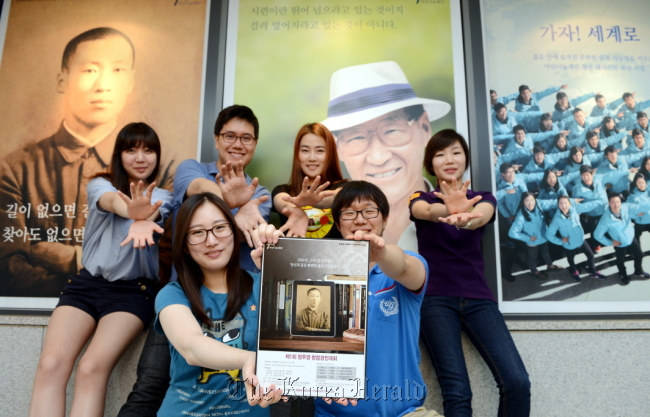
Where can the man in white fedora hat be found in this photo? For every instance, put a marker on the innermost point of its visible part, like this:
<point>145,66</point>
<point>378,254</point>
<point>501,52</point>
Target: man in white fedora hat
<point>381,128</point>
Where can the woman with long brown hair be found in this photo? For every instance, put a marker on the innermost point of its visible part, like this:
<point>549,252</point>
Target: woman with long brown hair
<point>304,203</point>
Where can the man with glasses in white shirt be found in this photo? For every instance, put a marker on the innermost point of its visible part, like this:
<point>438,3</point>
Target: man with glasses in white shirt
<point>381,128</point>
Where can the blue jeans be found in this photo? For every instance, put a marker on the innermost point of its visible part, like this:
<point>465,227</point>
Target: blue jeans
<point>442,320</point>
<point>153,378</point>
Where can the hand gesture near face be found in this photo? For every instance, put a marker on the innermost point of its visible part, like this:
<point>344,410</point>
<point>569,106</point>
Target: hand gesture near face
<point>310,196</point>
<point>232,182</point>
<point>139,206</point>
<point>456,199</point>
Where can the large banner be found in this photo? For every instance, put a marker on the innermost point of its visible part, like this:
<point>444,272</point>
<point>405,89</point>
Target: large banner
<point>350,65</point>
<point>571,94</point>
<point>72,74</point>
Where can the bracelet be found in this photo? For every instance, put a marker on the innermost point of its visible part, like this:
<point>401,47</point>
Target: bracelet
<point>469,223</point>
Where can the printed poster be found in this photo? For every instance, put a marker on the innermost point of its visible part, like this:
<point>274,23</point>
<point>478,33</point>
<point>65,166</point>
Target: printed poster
<point>348,65</point>
<point>58,128</point>
<point>570,55</point>
<point>312,328</point>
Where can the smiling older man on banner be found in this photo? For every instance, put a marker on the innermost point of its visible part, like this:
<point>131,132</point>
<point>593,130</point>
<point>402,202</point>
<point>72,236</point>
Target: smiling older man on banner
<point>381,128</point>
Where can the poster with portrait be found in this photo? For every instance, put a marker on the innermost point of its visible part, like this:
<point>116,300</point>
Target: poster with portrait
<point>312,328</point>
<point>570,100</point>
<point>72,74</point>
<point>356,67</point>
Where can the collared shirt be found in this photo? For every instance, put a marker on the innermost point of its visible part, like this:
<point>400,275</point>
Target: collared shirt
<point>47,180</point>
<point>308,319</point>
<point>102,253</point>
<point>188,171</point>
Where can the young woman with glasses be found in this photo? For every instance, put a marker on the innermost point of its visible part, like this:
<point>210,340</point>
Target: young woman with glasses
<point>210,314</point>
<point>450,222</point>
<point>304,203</point>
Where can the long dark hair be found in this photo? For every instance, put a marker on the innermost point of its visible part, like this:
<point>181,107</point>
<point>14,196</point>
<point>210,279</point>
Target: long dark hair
<point>633,183</point>
<point>544,185</point>
<point>131,136</point>
<point>521,208</point>
<point>574,150</point>
<point>643,170</point>
<point>332,169</point>
<point>190,275</point>
<point>606,132</point>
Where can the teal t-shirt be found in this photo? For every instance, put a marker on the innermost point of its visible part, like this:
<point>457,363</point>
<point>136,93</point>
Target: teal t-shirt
<point>197,391</point>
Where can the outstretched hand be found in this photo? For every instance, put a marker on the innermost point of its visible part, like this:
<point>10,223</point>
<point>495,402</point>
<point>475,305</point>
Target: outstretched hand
<point>460,220</point>
<point>455,199</point>
<point>377,244</point>
<point>310,196</point>
<point>141,233</point>
<point>255,393</point>
<point>265,233</point>
<point>232,181</point>
<point>139,206</point>
<point>297,222</point>
<point>248,217</point>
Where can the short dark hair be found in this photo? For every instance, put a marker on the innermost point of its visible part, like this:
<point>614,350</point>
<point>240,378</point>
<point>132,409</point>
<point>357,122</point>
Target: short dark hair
<point>440,141</point>
<point>586,168</point>
<point>577,109</point>
<point>612,194</point>
<point>636,132</point>
<point>539,149</point>
<point>312,289</point>
<point>359,190</point>
<point>236,111</point>
<point>610,149</point>
<point>641,114</point>
<point>504,167</point>
<point>560,94</point>
<point>518,128</point>
<point>591,134</point>
<point>598,97</point>
<point>498,107</point>
<point>492,91</point>
<point>91,35</point>
<point>523,88</point>
<point>626,95</point>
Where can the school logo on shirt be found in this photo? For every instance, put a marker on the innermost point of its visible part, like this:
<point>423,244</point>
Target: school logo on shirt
<point>232,334</point>
<point>389,307</point>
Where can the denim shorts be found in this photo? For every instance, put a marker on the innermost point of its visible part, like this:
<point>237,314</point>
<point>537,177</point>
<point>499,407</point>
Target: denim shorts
<point>99,297</point>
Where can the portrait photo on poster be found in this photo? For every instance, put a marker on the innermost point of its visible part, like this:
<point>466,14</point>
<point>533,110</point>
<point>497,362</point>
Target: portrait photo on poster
<point>570,97</point>
<point>72,75</point>
<point>313,309</point>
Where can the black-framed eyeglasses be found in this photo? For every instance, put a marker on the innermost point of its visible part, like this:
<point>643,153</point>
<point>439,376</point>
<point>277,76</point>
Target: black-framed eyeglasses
<point>198,236</point>
<point>231,138</point>
<point>367,213</point>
